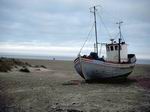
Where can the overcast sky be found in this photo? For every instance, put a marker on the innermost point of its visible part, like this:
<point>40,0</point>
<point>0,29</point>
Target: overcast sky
<point>60,27</point>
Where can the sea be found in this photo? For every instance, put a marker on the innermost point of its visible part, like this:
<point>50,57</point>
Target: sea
<point>65,58</point>
<point>69,58</point>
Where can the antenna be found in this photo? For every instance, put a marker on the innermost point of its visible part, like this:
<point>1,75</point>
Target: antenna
<point>119,23</point>
<point>91,8</point>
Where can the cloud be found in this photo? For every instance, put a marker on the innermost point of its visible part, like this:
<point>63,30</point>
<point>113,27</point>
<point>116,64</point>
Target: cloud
<point>24,20</point>
<point>57,24</point>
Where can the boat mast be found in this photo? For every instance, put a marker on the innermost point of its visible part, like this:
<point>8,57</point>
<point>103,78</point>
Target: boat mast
<point>95,29</point>
<point>119,23</point>
<point>94,12</point>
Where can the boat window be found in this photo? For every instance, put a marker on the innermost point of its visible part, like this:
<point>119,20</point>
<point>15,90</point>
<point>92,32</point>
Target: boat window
<point>116,47</point>
<point>107,48</point>
<point>111,47</point>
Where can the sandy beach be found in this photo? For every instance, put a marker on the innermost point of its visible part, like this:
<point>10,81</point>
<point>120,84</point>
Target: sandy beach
<point>58,88</point>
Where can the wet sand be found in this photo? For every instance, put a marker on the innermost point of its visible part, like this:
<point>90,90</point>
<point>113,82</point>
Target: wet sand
<point>60,89</point>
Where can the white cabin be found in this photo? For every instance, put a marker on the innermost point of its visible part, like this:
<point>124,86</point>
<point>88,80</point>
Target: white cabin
<point>112,52</point>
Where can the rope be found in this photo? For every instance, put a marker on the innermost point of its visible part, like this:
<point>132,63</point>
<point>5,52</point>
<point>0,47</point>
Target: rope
<point>86,39</point>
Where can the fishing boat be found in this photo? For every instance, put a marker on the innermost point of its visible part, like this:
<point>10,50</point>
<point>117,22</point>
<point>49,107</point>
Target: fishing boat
<point>117,64</point>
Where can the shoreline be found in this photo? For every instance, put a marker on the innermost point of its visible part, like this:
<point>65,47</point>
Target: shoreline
<point>60,58</point>
<point>69,60</point>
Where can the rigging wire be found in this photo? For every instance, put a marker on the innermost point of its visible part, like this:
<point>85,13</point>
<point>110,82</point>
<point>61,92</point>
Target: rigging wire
<point>122,38</point>
<point>116,36</point>
<point>113,18</point>
<point>109,34</point>
<point>86,39</point>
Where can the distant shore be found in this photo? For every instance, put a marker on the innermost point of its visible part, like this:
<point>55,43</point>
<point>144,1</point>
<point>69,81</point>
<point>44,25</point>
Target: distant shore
<point>38,57</point>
